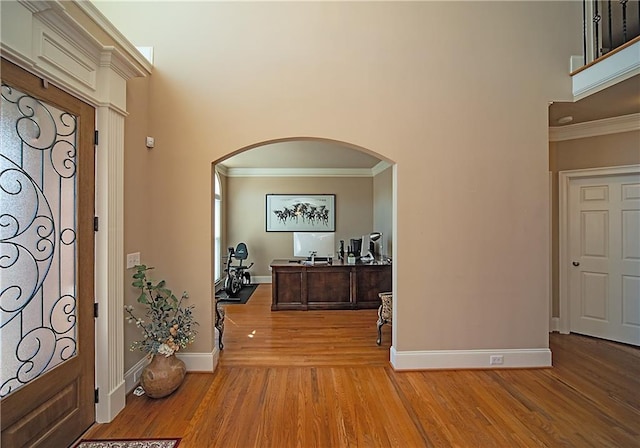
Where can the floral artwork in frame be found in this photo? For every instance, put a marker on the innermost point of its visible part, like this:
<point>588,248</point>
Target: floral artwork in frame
<point>301,213</point>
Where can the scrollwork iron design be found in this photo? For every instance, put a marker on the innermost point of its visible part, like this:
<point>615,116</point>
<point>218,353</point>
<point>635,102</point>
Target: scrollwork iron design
<point>37,237</point>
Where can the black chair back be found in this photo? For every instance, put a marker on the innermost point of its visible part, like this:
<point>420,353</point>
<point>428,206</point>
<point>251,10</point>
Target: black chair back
<point>241,252</point>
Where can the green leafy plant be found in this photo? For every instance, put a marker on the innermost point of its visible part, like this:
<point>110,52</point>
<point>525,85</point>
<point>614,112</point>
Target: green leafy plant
<point>169,326</point>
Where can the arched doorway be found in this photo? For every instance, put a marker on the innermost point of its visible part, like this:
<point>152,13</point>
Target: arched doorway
<point>361,180</point>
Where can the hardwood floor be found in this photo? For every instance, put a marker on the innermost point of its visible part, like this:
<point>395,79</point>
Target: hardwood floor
<point>317,379</point>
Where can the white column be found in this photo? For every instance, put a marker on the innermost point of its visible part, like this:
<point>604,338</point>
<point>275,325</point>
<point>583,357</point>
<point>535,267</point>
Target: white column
<point>109,264</point>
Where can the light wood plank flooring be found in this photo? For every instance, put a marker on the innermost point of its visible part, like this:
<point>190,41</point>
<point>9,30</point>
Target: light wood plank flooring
<point>317,379</point>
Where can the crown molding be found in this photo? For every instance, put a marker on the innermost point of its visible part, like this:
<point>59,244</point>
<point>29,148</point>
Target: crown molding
<point>380,167</point>
<point>101,20</point>
<point>616,125</point>
<point>299,172</point>
<point>303,172</point>
<point>220,168</point>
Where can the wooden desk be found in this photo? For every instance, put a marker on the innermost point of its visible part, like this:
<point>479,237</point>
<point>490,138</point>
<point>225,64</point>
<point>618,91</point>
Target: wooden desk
<point>339,286</point>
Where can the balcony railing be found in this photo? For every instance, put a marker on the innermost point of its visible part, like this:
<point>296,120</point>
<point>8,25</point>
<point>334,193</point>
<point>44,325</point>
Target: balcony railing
<point>608,24</point>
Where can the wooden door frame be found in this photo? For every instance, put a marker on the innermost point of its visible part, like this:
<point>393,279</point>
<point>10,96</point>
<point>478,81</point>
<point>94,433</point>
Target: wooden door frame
<point>46,383</point>
<point>564,180</point>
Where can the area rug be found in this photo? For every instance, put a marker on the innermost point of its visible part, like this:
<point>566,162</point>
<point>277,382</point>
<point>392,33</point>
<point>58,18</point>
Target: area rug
<point>128,443</point>
<point>243,295</point>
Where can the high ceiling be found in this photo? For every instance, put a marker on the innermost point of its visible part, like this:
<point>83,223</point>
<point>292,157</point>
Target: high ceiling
<point>618,100</point>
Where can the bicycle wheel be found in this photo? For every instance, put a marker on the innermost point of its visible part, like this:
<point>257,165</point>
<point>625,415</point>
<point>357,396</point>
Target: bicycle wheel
<point>236,285</point>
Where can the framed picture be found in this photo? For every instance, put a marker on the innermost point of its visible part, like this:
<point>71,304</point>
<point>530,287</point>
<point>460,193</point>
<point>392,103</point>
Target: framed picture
<point>301,213</point>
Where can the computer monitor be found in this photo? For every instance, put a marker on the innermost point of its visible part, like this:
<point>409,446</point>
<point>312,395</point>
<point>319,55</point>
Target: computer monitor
<point>306,243</point>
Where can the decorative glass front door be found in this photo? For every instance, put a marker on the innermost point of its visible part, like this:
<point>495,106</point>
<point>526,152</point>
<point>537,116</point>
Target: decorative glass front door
<point>47,325</point>
<point>38,186</point>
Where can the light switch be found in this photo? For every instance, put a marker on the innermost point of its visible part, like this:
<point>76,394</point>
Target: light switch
<point>151,142</point>
<point>133,260</point>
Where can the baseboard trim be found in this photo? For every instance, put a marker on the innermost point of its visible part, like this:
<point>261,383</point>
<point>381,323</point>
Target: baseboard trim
<point>110,404</point>
<point>200,362</point>
<point>261,279</point>
<point>469,359</point>
<point>132,376</point>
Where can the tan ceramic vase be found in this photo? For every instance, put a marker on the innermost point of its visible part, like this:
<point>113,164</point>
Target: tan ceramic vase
<point>162,376</point>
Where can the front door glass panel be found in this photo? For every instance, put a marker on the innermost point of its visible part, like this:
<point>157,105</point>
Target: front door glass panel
<point>37,238</point>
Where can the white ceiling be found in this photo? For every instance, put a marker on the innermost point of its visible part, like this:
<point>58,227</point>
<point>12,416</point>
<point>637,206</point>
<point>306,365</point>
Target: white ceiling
<point>618,100</point>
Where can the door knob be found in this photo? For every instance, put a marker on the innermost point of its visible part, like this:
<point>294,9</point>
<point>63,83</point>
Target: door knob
<point>576,263</point>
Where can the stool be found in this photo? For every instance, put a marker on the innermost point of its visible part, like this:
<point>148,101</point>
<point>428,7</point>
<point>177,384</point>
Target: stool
<point>219,322</point>
<point>385,313</point>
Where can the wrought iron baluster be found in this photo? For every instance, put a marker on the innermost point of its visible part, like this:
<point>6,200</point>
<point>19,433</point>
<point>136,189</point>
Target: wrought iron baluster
<point>596,27</point>
<point>584,31</point>
<point>624,20</point>
<point>610,26</point>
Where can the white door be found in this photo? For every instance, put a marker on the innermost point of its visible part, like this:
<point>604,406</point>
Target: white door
<point>604,257</point>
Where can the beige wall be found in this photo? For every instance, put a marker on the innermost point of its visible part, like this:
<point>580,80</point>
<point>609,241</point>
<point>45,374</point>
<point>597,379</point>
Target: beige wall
<point>456,102</point>
<point>245,198</point>
<point>138,216</point>
<point>595,152</point>
<point>383,208</point>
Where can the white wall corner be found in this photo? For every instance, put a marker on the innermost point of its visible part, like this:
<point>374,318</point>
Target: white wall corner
<point>470,359</point>
<point>554,325</point>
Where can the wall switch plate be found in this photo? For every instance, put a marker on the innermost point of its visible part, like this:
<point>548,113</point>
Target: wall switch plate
<point>496,360</point>
<point>137,374</point>
<point>150,142</point>
<point>133,260</point>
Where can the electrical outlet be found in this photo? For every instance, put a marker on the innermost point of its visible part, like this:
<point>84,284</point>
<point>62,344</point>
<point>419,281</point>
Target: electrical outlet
<point>496,360</point>
<point>136,376</point>
<point>133,260</point>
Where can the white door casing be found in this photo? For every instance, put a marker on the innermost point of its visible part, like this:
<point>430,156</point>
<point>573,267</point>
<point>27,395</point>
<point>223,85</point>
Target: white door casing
<point>600,253</point>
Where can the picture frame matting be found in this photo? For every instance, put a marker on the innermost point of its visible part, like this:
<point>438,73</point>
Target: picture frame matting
<point>300,213</point>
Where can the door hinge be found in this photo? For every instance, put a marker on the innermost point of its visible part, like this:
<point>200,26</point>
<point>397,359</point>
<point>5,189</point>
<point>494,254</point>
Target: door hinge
<point>96,223</point>
<point>97,395</point>
<point>95,310</point>
<point>95,137</point>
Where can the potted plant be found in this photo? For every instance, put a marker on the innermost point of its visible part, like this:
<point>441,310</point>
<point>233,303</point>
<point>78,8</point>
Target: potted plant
<point>167,327</point>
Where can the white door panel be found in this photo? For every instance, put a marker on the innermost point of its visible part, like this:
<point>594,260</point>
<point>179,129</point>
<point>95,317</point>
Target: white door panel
<point>604,252</point>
